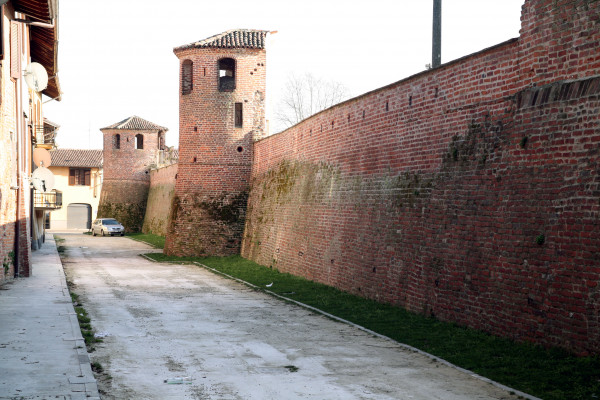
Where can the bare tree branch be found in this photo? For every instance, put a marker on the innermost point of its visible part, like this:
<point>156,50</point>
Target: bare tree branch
<point>306,95</point>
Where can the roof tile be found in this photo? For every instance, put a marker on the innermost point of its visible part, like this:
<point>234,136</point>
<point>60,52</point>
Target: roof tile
<point>76,158</point>
<point>136,123</point>
<point>235,38</point>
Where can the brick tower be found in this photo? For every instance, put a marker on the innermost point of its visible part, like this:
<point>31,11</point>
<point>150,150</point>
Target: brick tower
<point>131,147</point>
<point>221,112</point>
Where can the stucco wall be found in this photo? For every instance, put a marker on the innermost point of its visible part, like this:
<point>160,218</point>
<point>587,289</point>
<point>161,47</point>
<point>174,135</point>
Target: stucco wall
<point>160,198</point>
<point>74,194</point>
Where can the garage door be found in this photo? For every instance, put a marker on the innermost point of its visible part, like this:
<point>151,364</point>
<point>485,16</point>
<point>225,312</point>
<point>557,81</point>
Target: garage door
<point>79,216</point>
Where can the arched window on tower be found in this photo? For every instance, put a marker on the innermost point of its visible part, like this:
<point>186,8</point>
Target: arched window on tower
<point>139,141</point>
<point>117,141</point>
<point>187,77</point>
<point>226,74</point>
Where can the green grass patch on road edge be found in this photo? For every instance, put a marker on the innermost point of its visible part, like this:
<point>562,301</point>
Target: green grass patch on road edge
<point>551,374</point>
<point>151,239</point>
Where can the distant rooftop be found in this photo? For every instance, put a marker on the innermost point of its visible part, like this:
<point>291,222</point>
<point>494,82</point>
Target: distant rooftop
<point>136,123</point>
<point>235,38</point>
<point>76,158</point>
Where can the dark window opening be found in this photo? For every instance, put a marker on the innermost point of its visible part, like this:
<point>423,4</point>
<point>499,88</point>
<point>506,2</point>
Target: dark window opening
<point>240,149</point>
<point>139,141</point>
<point>117,141</point>
<point>226,75</point>
<point>187,77</point>
<point>79,176</point>
<point>161,141</point>
<point>239,116</point>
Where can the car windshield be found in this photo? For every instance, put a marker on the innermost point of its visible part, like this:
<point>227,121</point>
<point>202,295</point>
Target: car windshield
<point>110,222</point>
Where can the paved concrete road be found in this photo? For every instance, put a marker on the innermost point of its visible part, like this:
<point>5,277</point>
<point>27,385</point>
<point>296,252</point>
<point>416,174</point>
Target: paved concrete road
<point>167,321</point>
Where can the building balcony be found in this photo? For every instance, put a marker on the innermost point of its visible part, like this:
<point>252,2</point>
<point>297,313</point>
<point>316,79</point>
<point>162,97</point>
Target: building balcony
<point>47,200</point>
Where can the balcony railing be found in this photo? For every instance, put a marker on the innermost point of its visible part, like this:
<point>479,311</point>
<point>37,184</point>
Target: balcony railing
<point>47,200</point>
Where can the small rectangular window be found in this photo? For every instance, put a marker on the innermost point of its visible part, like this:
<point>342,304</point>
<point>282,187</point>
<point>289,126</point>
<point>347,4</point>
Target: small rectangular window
<point>79,176</point>
<point>239,115</point>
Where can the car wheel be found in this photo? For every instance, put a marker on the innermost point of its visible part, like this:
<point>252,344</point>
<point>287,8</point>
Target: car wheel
<point>103,234</point>
<point>93,232</point>
<point>122,234</point>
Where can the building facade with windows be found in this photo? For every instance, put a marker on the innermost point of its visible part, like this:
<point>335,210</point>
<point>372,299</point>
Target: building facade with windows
<point>78,175</point>
<point>28,34</point>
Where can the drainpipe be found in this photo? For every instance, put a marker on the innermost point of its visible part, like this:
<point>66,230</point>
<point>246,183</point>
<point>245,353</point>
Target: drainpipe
<point>16,249</point>
<point>436,46</point>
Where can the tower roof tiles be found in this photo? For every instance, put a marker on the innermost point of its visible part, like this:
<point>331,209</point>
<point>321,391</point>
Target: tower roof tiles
<point>234,38</point>
<point>136,123</point>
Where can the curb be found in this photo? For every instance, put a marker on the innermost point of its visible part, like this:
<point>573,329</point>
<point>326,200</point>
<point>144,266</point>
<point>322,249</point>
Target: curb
<point>85,383</point>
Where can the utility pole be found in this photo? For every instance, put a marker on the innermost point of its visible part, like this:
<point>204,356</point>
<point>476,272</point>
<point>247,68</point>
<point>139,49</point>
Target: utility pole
<point>436,46</point>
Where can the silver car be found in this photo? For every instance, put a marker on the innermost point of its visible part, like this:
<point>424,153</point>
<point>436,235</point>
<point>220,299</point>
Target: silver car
<point>107,226</point>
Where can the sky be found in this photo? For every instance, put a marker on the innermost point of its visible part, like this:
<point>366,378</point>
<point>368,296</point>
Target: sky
<point>115,57</point>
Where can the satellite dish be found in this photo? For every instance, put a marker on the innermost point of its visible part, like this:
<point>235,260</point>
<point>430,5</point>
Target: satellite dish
<point>41,157</point>
<point>37,184</point>
<point>46,178</point>
<point>36,77</point>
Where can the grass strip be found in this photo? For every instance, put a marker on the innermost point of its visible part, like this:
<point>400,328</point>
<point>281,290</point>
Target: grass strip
<point>153,240</point>
<point>551,374</point>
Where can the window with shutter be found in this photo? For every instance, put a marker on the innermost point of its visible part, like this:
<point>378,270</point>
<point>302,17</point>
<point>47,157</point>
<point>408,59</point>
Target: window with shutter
<point>15,50</point>
<point>79,177</point>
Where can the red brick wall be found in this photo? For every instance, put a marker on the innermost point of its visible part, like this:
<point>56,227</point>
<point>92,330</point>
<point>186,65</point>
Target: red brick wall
<point>126,176</point>
<point>470,192</point>
<point>8,172</point>
<point>215,156</point>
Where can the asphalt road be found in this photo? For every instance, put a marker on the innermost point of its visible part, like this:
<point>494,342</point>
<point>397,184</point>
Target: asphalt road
<point>165,321</point>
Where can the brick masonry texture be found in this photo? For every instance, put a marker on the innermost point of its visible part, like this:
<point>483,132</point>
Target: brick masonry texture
<point>160,198</point>
<point>469,192</point>
<point>127,176</point>
<point>208,210</point>
<point>8,164</point>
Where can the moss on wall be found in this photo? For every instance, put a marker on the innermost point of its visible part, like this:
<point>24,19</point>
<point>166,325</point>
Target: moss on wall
<point>227,208</point>
<point>158,208</point>
<point>131,216</point>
